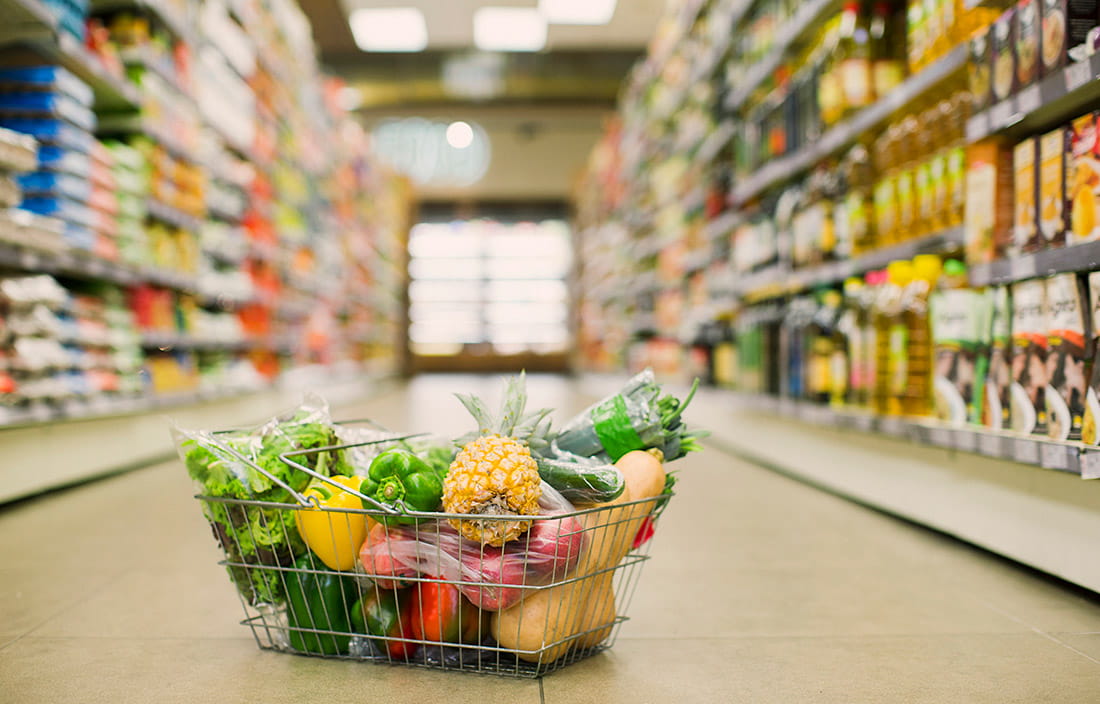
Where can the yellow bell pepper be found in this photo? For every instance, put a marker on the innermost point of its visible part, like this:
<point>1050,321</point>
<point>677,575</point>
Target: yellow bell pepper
<point>334,536</point>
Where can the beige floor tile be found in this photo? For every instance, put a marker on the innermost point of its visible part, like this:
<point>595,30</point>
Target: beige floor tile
<point>1024,669</point>
<point>810,601</point>
<point>191,601</point>
<point>31,597</point>
<point>1088,644</point>
<point>48,670</point>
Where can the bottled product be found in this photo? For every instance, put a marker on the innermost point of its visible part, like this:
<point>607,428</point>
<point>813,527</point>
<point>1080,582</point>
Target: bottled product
<point>908,156</point>
<point>840,348</point>
<point>854,58</point>
<point>857,182</point>
<point>887,63</point>
<point>916,393</point>
<point>852,324</point>
<point>819,349</point>
<point>891,339</point>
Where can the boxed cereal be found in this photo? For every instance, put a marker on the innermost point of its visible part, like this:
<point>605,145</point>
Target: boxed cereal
<point>980,67</point>
<point>1089,433</point>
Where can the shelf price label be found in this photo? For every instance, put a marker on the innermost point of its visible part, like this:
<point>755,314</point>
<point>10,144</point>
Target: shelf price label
<point>966,441</point>
<point>1077,75</point>
<point>977,127</point>
<point>1028,100</point>
<point>1026,451</point>
<point>1022,268</point>
<point>1000,115</point>
<point>1090,465</point>
<point>1052,456</point>
<point>941,437</point>
<point>990,444</point>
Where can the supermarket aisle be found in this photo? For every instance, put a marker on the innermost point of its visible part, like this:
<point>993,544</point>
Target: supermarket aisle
<point>761,589</point>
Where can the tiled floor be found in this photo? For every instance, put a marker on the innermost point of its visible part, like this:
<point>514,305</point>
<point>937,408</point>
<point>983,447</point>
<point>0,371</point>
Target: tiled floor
<point>761,589</point>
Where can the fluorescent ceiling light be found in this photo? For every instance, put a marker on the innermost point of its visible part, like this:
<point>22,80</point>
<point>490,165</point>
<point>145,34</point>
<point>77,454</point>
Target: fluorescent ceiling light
<point>389,29</point>
<point>509,29</point>
<point>577,11</point>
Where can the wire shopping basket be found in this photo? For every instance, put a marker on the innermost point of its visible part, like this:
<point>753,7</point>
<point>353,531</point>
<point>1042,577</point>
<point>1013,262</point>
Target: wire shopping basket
<point>331,572</point>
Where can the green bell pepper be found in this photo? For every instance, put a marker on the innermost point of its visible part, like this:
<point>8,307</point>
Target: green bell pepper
<point>318,602</point>
<point>386,614</point>
<point>401,479</point>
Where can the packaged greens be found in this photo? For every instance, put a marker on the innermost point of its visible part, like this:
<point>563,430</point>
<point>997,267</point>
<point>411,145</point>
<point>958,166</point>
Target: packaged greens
<point>636,418</point>
<point>245,464</point>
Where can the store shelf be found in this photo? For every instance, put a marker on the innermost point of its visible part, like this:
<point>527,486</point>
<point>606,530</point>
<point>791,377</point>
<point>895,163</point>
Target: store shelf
<point>141,57</point>
<point>1055,99</point>
<point>1081,257</point>
<point>786,167</point>
<point>173,216</point>
<point>177,26</point>
<point>723,225</point>
<point>808,15</point>
<point>780,280</point>
<point>1031,450</point>
<point>28,23</point>
<point>172,340</point>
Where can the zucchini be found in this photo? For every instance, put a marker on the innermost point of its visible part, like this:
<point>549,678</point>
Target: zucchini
<point>582,483</point>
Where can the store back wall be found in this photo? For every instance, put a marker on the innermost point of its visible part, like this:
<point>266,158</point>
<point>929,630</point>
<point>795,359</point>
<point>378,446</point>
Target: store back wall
<point>536,151</point>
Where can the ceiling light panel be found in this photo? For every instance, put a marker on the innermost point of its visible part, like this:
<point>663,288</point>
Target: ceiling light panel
<point>577,11</point>
<point>509,29</point>
<point>389,29</point>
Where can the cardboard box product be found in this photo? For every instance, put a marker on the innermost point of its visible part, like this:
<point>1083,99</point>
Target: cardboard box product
<point>959,374</point>
<point>1053,147</point>
<point>997,413</point>
<point>1025,228</point>
<point>1027,396</point>
<point>1066,359</point>
<point>1065,26</point>
<point>980,69</point>
<point>1089,430</point>
<point>988,216</point>
<point>1083,181</point>
<point>1004,55</point>
<point>1027,42</point>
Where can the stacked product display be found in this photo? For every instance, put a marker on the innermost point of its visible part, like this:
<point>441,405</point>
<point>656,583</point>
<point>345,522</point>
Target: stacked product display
<point>899,229</point>
<point>205,180</point>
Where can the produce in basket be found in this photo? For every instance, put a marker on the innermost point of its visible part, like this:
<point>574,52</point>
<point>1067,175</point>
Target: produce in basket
<point>580,613</point>
<point>318,602</point>
<point>490,577</point>
<point>387,615</point>
<point>333,535</point>
<point>400,479</point>
<point>494,474</point>
<point>245,464</point>
<point>636,418</point>
<point>440,614</point>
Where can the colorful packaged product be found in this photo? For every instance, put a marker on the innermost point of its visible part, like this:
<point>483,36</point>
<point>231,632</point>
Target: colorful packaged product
<point>1025,229</point>
<point>1004,56</point>
<point>1027,42</point>
<point>988,215</point>
<point>1029,357</point>
<point>1066,360</point>
<point>1083,180</point>
<point>997,413</point>
<point>958,319</point>
<point>1089,432</point>
<point>980,68</point>
<point>1053,147</point>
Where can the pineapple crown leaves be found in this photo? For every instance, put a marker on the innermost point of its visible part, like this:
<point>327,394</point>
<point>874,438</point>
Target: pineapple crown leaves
<point>532,428</point>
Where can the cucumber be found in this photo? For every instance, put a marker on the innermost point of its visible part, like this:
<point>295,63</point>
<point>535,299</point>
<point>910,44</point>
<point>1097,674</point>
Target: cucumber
<point>582,483</point>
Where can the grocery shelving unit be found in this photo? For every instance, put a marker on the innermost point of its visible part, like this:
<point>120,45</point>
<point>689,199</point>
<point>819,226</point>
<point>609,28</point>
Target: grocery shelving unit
<point>1017,495</point>
<point>328,245</point>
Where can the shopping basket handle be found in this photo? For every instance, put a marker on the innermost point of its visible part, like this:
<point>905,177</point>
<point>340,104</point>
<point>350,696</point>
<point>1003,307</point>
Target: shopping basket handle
<point>311,502</point>
<point>279,482</point>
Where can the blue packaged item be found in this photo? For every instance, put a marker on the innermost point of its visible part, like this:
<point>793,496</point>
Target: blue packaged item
<point>79,237</point>
<point>57,132</point>
<point>46,78</point>
<point>64,160</point>
<point>61,208</point>
<point>50,183</point>
<point>47,105</point>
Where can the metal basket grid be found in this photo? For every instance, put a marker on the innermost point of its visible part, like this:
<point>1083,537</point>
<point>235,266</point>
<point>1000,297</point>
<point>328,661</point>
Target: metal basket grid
<point>585,600</point>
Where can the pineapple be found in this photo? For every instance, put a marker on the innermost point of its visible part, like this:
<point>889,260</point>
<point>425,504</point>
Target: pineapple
<point>494,474</point>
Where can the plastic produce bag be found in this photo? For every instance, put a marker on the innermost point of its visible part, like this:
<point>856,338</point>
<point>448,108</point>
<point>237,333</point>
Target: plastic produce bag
<point>636,418</point>
<point>492,578</point>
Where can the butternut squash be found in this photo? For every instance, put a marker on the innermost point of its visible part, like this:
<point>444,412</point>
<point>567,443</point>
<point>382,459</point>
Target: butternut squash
<point>566,611</point>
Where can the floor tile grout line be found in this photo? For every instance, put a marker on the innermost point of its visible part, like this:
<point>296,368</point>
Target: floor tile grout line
<point>542,692</point>
<point>1040,631</point>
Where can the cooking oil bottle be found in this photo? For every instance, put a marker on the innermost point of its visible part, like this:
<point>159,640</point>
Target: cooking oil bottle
<point>916,393</point>
<point>851,325</point>
<point>891,338</point>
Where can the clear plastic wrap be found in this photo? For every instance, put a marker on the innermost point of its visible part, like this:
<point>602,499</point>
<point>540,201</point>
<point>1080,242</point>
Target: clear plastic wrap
<point>492,578</point>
